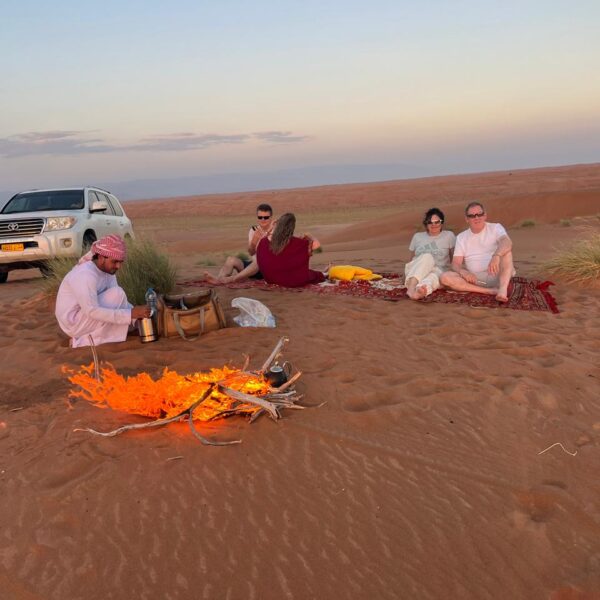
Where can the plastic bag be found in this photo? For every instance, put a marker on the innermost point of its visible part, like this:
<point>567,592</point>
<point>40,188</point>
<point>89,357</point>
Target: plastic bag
<point>252,313</point>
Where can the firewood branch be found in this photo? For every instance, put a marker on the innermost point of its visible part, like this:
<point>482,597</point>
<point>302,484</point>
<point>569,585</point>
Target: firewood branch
<point>278,347</point>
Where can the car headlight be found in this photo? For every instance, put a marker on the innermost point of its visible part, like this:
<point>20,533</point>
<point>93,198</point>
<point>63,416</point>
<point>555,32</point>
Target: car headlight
<point>56,223</point>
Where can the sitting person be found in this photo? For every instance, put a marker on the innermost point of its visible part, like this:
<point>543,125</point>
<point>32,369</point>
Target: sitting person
<point>90,306</point>
<point>431,256</point>
<point>264,228</point>
<point>483,260</point>
<point>283,259</point>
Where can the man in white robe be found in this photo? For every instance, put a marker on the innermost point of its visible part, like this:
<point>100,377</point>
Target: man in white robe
<point>90,305</point>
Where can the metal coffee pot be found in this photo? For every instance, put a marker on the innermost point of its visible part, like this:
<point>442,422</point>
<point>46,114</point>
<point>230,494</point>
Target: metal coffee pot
<point>277,375</point>
<point>147,330</point>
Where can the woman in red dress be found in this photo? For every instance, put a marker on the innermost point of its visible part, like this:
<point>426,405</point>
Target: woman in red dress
<point>283,260</point>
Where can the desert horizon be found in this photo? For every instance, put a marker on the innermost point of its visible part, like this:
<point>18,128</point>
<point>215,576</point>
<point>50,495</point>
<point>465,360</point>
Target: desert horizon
<point>417,469</point>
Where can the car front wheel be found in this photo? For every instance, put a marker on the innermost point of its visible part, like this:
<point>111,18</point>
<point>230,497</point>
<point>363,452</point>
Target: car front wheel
<point>45,270</point>
<point>88,239</point>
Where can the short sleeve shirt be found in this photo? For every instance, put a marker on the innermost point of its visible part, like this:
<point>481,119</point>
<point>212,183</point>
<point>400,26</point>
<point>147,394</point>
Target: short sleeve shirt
<point>478,248</point>
<point>439,246</point>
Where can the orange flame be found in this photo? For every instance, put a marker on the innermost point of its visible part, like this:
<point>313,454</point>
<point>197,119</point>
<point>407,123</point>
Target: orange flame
<point>169,395</point>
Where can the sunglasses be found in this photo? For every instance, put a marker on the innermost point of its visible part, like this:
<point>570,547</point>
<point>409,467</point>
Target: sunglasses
<point>434,222</point>
<point>261,218</point>
<point>475,215</point>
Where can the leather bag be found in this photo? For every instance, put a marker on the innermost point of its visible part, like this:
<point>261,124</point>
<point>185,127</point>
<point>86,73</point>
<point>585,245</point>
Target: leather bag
<point>189,315</point>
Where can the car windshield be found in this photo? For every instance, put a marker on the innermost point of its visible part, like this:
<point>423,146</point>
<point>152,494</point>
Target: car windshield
<point>44,201</point>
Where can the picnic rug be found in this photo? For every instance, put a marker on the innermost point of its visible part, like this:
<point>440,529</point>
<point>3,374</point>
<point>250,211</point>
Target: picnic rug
<point>523,294</point>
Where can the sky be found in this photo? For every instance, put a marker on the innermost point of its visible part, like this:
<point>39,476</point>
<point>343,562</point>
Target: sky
<point>115,91</point>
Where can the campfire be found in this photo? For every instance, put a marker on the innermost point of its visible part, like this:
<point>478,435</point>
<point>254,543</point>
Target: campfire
<point>202,396</point>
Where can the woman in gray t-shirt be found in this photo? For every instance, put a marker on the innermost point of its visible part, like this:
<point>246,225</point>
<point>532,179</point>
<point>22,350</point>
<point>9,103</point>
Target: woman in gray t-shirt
<point>432,255</point>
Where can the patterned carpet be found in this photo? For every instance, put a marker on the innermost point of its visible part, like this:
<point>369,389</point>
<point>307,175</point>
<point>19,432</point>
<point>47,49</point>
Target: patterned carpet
<point>524,294</point>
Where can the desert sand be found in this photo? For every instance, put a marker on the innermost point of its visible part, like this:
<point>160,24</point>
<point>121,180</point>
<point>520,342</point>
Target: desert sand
<point>421,477</point>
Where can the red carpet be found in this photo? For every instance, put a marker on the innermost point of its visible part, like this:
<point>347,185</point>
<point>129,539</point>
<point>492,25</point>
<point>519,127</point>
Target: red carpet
<point>524,294</point>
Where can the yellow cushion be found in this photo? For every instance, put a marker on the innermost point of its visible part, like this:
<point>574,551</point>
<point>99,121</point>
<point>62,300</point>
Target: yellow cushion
<point>350,272</point>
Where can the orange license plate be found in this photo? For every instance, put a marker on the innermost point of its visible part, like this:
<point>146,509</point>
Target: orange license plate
<point>12,247</point>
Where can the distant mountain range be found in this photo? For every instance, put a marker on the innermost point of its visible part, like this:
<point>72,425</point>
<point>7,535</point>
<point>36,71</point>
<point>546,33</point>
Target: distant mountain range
<point>266,180</point>
<point>222,183</point>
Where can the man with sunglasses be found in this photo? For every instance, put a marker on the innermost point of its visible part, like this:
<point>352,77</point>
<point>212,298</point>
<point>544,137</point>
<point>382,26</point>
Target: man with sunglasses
<point>482,259</point>
<point>234,264</point>
<point>264,227</point>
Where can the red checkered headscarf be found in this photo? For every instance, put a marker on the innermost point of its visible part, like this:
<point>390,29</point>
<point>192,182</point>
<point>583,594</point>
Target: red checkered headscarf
<point>110,246</point>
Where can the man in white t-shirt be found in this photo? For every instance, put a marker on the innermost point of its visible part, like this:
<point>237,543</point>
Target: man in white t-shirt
<point>483,260</point>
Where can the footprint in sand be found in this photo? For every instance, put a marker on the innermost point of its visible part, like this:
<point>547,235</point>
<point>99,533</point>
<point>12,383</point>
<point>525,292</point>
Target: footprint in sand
<point>345,376</point>
<point>323,367</point>
<point>537,504</point>
<point>555,483</point>
<point>27,325</point>
<point>372,401</point>
<point>552,361</point>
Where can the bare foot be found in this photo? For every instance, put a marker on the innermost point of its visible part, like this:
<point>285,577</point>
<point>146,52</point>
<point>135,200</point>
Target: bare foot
<point>421,291</point>
<point>489,291</point>
<point>211,278</point>
<point>418,293</point>
<point>502,298</point>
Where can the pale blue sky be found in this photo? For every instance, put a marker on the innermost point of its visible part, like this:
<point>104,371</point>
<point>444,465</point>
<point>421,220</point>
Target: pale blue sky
<point>116,91</point>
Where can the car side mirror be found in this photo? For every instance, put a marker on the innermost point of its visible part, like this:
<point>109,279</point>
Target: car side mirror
<point>98,206</point>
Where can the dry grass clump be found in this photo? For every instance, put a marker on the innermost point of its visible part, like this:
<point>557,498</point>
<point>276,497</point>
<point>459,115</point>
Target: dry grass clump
<point>565,223</point>
<point>54,273</point>
<point>579,263</point>
<point>528,223</point>
<point>145,267</point>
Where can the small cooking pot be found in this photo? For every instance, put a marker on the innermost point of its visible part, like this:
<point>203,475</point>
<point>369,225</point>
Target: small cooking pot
<point>277,375</point>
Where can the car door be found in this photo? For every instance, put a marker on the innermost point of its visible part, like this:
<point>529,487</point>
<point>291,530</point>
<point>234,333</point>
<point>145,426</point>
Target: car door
<point>123,221</point>
<point>111,219</point>
<point>101,221</point>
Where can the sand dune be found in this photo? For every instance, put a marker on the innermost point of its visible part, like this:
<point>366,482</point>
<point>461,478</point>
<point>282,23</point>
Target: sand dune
<point>409,193</point>
<point>419,478</point>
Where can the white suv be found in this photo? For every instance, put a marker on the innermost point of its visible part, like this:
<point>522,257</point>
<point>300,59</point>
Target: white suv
<point>42,224</point>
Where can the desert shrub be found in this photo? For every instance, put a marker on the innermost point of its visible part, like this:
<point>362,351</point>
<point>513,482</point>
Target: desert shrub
<point>565,223</point>
<point>528,223</point>
<point>54,273</point>
<point>206,262</point>
<point>578,263</point>
<point>145,267</point>
<point>243,256</point>
<point>318,250</point>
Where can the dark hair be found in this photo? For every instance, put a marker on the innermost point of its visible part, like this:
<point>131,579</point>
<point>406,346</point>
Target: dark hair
<point>430,213</point>
<point>283,232</point>
<point>264,208</point>
<point>472,204</point>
